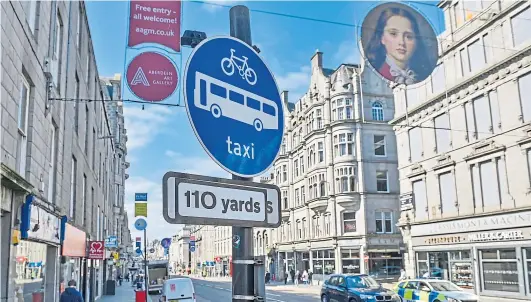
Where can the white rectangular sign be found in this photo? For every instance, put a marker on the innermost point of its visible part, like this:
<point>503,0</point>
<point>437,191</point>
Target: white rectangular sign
<point>195,199</point>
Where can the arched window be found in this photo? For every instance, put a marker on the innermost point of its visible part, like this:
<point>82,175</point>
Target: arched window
<point>299,229</point>
<point>303,232</point>
<point>266,240</point>
<point>377,111</point>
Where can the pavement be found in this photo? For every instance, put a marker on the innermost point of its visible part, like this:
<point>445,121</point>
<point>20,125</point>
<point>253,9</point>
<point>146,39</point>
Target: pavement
<point>124,293</point>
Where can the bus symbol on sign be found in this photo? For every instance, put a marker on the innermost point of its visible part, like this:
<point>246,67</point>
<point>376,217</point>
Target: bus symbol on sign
<point>222,93</point>
<point>223,99</point>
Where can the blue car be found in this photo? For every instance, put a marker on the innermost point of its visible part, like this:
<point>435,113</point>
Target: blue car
<point>355,288</point>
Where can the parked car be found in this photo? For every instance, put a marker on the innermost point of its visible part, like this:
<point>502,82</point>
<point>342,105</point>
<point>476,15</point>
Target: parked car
<point>179,289</point>
<point>355,288</point>
<point>432,290</point>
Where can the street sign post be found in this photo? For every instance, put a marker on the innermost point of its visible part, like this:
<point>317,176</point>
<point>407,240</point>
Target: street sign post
<point>141,197</point>
<point>229,88</point>
<point>203,200</point>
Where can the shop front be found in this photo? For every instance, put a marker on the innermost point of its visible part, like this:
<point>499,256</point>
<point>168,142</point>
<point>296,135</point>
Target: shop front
<point>74,257</point>
<point>37,254</point>
<point>489,255</point>
<point>384,257</point>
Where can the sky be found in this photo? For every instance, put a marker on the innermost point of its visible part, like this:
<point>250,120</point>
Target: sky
<point>160,138</point>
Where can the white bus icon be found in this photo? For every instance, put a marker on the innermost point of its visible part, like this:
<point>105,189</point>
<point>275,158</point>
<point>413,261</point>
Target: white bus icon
<point>223,99</point>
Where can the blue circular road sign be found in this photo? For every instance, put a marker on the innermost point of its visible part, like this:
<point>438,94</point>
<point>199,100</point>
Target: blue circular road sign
<point>140,224</point>
<point>234,105</point>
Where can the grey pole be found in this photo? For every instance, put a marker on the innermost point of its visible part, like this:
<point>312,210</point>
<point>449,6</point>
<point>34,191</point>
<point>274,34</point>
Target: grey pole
<point>146,265</point>
<point>243,274</point>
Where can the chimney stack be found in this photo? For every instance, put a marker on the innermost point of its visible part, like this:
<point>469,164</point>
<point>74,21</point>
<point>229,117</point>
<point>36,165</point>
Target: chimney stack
<point>317,60</point>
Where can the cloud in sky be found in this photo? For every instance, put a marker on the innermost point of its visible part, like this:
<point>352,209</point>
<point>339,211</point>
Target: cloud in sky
<point>157,228</point>
<point>295,82</point>
<point>143,125</point>
<point>201,165</point>
<point>348,52</point>
<point>211,7</point>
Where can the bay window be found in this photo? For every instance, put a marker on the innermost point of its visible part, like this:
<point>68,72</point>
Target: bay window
<point>343,144</point>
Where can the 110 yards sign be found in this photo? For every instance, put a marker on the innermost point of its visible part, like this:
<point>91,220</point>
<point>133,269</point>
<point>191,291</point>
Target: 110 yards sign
<point>194,199</point>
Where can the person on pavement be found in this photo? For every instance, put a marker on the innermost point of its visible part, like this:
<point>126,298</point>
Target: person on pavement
<point>403,275</point>
<point>292,275</point>
<point>310,276</point>
<point>305,277</point>
<point>297,277</point>
<point>267,277</point>
<point>71,294</point>
<point>286,278</point>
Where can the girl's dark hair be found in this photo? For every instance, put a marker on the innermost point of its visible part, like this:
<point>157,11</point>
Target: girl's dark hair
<point>375,51</point>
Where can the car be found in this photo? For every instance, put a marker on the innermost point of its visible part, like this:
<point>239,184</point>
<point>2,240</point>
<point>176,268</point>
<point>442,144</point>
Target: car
<point>180,289</point>
<point>355,288</point>
<point>432,290</point>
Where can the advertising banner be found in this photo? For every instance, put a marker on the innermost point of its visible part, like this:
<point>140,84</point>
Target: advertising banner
<point>153,51</point>
<point>399,43</point>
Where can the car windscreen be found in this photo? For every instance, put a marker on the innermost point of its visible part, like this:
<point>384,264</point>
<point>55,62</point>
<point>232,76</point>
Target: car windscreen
<point>361,282</point>
<point>442,286</point>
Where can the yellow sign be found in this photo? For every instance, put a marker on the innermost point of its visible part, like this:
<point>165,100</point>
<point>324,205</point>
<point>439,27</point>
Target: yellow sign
<point>141,209</point>
<point>116,256</point>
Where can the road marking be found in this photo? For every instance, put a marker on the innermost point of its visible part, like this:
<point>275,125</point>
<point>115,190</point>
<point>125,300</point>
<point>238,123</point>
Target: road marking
<point>274,295</point>
<point>275,300</point>
<point>219,287</point>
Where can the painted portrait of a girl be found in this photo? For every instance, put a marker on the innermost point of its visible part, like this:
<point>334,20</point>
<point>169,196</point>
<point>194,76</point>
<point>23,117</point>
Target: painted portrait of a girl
<point>397,48</point>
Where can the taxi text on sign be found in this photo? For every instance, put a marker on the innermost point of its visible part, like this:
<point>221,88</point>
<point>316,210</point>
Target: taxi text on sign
<point>234,105</point>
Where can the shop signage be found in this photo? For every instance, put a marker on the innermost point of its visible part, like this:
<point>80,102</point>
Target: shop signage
<point>44,225</point>
<point>384,241</point>
<point>74,243</point>
<point>496,236</point>
<point>487,223</point>
<point>96,250</point>
<point>406,201</point>
<point>519,234</point>
<point>111,242</point>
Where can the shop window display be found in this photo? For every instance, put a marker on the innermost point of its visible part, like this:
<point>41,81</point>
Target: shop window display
<point>350,261</point>
<point>500,270</point>
<point>527,254</point>
<point>30,268</point>
<point>454,266</point>
<point>324,264</point>
<point>385,265</point>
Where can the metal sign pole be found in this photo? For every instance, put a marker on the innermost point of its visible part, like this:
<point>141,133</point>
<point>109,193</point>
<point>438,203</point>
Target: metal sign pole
<point>146,265</point>
<point>242,237</point>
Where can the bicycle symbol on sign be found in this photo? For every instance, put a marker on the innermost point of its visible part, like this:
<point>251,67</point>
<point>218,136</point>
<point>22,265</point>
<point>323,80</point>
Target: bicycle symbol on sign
<point>246,72</point>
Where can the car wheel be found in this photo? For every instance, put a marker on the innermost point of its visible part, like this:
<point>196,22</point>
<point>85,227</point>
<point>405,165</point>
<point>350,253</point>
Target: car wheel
<point>324,298</point>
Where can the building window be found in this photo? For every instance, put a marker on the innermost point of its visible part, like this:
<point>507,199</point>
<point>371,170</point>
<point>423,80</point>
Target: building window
<point>301,161</point>
<point>379,145</point>
<point>319,119</point>
<point>442,133</point>
<point>284,173</point>
<point>350,259</point>
<point>311,156</point>
<point>341,109</point>
<point>500,270</point>
<point>377,111</point>
<point>349,222</point>
<point>79,28</point>
<point>297,197</point>
<point>30,7</point>
<point>304,228</point>
<point>520,25</point>
<point>76,106</point>
<point>327,221</point>
<point>52,172</point>
<point>384,222</point>
<point>84,199</point>
<point>320,151</point>
<point>421,202</point>
<point>447,192</point>
<point>476,55</point>
<point>283,148</point>
<point>524,87</point>
<point>316,226</point>
<point>343,144</point>
<point>296,167</point>
<point>415,144</point>
<point>299,229</point>
<point>322,188</point>
<point>73,189</point>
<point>486,183</point>
<point>381,182</point>
<point>438,79</point>
<point>22,123</point>
<point>285,200</point>
<point>347,179</point>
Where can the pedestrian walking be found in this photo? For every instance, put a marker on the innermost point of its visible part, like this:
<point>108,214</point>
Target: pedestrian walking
<point>286,275</point>
<point>292,275</point>
<point>305,277</point>
<point>71,294</point>
<point>310,276</point>
<point>267,277</point>
<point>403,275</point>
<point>297,277</point>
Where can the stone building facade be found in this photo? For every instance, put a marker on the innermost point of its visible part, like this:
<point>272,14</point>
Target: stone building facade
<point>58,154</point>
<point>464,153</point>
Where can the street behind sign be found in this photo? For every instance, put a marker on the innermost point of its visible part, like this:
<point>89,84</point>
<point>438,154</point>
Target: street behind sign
<point>202,200</point>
